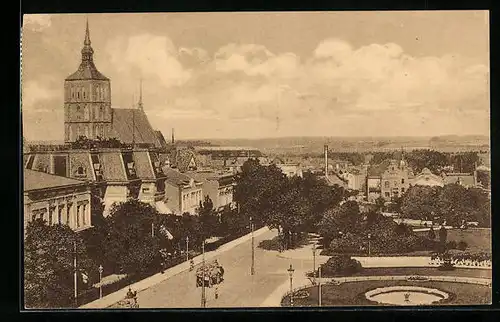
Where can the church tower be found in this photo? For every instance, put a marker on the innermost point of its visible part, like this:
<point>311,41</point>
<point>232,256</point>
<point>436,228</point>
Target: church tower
<point>87,99</point>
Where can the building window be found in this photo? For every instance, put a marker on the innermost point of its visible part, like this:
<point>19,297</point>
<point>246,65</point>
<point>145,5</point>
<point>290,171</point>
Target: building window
<point>33,217</point>
<point>78,216</point>
<point>387,194</point>
<point>402,190</point>
<point>51,215</point>
<point>84,214</point>
<point>145,190</point>
<point>395,183</point>
<point>386,184</point>
<point>402,181</point>
<point>68,214</point>
<point>59,215</point>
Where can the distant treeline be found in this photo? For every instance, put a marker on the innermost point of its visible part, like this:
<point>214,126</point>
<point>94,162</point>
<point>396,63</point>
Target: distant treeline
<point>435,161</point>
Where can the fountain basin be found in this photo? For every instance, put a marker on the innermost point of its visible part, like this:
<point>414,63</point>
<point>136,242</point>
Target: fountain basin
<point>406,295</point>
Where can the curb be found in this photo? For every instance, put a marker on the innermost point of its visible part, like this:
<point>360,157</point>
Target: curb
<point>110,299</point>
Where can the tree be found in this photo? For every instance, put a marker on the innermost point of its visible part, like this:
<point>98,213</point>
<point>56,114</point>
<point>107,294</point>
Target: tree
<point>420,202</point>
<point>455,204</point>
<point>256,185</point>
<point>208,219</point>
<point>340,220</point>
<point>95,237</point>
<point>131,246</point>
<point>48,265</point>
<point>379,204</point>
<point>425,158</point>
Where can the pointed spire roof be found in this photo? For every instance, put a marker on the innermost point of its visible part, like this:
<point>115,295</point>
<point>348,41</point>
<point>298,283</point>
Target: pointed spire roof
<point>87,69</point>
<point>140,96</point>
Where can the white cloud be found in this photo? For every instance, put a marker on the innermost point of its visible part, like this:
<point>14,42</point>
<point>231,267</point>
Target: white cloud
<point>33,93</point>
<point>152,56</point>
<point>36,22</point>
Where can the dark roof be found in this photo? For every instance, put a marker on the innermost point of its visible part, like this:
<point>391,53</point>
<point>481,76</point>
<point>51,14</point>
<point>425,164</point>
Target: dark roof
<point>333,179</point>
<point>161,139</point>
<point>175,177</point>
<point>86,70</point>
<point>143,166</point>
<point>112,166</point>
<point>377,170</point>
<point>180,158</point>
<point>125,120</point>
<point>35,180</point>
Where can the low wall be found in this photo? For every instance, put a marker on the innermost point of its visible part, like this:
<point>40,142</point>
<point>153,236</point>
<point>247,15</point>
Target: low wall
<point>406,261</point>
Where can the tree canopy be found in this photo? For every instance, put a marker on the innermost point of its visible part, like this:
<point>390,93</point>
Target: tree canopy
<point>131,246</point>
<point>49,252</point>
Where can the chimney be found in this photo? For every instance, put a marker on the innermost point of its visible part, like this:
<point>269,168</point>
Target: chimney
<point>173,138</point>
<point>326,160</point>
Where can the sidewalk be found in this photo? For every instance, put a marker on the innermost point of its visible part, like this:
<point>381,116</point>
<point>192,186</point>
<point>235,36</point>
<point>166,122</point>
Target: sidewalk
<point>115,297</point>
<point>299,281</point>
<point>305,253</point>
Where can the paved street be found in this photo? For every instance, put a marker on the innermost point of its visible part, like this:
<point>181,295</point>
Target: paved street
<point>239,287</point>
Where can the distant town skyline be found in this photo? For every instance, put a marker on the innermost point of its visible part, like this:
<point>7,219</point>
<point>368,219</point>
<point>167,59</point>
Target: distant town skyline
<point>264,75</point>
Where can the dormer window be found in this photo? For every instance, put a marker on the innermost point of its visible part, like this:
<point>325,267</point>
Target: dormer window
<point>80,171</point>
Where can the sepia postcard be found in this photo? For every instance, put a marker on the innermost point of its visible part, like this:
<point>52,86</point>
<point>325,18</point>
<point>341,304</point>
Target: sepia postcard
<point>256,159</point>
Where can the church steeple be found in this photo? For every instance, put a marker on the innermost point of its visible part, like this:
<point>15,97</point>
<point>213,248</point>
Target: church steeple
<point>87,51</point>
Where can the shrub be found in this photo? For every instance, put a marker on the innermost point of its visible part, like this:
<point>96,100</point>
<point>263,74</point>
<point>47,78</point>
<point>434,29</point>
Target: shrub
<point>451,244</point>
<point>340,266</point>
<point>462,245</point>
<point>348,243</point>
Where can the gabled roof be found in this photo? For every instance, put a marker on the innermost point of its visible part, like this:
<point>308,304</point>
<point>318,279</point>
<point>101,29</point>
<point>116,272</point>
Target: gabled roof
<point>132,125</point>
<point>335,180</point>
<point>176,178</point>
<point>35,180</point>
<point>181,158</point>
<point>161,139</point>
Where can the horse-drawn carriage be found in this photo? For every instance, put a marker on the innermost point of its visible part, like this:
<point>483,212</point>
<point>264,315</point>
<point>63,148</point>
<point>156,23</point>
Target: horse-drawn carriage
<point>210,274</point>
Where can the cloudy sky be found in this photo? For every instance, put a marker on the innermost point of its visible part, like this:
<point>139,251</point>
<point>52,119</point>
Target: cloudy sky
<point>250,75</point>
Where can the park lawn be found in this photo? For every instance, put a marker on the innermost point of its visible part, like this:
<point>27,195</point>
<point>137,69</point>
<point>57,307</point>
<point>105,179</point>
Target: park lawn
<point>477,239</point>
<point>352,293</point>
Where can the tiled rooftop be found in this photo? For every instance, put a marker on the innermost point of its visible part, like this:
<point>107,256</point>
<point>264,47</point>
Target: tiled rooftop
<point>132,125</point>
<point>35,180</point>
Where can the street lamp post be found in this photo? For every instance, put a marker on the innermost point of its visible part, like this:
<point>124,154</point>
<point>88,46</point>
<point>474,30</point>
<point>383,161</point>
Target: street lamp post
<point>314,261</point>
<point>100,281</point>
<point>252,268</point>
<point>203,295</point>
<point>369,244</point>
<point>290,273</point>
<point>187,248</point>
<point>319,285</point>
